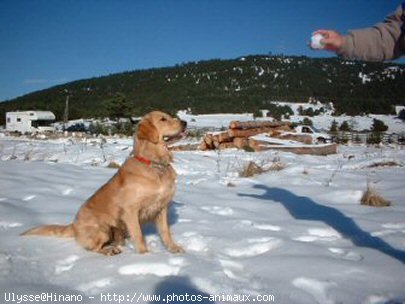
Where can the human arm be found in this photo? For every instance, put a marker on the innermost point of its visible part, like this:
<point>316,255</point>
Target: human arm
<point>383,41</point>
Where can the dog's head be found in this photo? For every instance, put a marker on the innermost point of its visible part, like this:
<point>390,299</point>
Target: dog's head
<point>159,127</point>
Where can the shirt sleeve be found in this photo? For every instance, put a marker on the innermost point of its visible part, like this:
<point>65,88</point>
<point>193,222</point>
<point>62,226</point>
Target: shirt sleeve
<point>383,41</point>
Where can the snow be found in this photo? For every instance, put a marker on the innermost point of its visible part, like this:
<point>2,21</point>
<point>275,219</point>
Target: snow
<point>299,234</point>
<point>364,78</point>
<point>358,123</point>
<point>316,41</point>
<point>212,120</point>
<point>276,142</point>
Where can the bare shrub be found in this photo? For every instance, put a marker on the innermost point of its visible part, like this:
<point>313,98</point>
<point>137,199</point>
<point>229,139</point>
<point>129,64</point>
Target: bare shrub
<point>251,169</point>
<point>28,155</point>
<point>373,199</point>
<point>277,166</point>
<point>13,155</point>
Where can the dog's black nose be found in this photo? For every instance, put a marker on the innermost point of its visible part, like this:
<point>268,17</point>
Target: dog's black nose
<point>183,124</point>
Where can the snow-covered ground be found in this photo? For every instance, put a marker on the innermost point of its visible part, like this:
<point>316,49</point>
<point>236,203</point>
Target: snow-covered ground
<point>299,235</point>
<point>323,121</point>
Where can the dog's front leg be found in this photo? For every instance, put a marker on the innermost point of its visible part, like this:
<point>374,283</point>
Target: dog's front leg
<point>165,233</point>
<point>131,220</point>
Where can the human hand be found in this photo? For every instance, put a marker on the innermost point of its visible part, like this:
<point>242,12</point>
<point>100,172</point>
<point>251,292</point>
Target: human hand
<point>332,40</point>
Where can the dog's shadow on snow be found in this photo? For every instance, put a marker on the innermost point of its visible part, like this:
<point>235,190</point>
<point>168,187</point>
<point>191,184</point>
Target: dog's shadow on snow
<point>304,208</point>
<point>178,289</point>
<point>150,228</point>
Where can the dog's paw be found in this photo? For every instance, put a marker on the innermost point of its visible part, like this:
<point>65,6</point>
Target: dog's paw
<point>110,250</point>
<point>142,250</point>
<point>176,249</point>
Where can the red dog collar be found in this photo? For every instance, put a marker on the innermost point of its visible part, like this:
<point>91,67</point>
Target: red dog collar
<point>143,160</point>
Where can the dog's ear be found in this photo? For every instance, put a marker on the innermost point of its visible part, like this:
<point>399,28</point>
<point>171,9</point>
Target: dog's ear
<point>147,131</point>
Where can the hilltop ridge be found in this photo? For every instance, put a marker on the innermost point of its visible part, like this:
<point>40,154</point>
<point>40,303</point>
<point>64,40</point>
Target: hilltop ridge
<point>244,84</point>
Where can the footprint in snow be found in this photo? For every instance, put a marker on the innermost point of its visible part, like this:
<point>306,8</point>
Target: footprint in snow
<point>67,191</point>
<point>254,247</point>
<point>317,289</point>
<point>383,232</point>
<point>28,197</point>
<point>218,210</point>
<point>398,226</point>
<point>345,254</point>
<point>231,269</point>
<point>390,228</point>
<point>184,220</point>
<point>4,225</point>
<point>195,181</point>
<point>376,299</point>
<point>171,268</point>
<point>191,241</point>
<point>5,261</point>
<point>267,227</point>
<point>319,234</point>
<point>95,286</point>
<point>66,264</point>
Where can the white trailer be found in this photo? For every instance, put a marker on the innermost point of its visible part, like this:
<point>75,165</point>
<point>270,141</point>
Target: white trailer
<point>30,121</point>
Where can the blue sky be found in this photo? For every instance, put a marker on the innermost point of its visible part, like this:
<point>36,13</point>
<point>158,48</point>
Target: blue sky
<point>45,42</point>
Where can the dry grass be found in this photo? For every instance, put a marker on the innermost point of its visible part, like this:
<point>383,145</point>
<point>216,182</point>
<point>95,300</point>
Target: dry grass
<point>277,166</point>
<point>113,165</point>
<point>373,199</point>
<point>384,164</point>
<point>252,168</point>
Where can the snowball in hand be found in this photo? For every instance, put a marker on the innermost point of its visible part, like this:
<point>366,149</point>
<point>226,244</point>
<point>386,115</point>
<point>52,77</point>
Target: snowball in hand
<point>316,42</point>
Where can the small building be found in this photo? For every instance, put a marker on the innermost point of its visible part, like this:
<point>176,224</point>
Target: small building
<point>30,121</point>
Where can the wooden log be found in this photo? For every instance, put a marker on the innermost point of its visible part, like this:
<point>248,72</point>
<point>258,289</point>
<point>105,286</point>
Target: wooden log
<point>203,146</point>
<point>258,145</point>
<point>286,128</point>
<point>215,142</point>
<point>208,141</point>
<point>224,137</point>
<point>305,139</point>
<point>256,124</point>
<point>310,149</point>
<point>226,145</point>
<point>185,147</point>
<point>220,138</point>
<point>247,132</point>
<point>240,142</point>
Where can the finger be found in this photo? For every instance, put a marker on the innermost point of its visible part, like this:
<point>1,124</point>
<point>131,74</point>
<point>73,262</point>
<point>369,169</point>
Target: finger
<point>328,40</point>
<point>329,47</point>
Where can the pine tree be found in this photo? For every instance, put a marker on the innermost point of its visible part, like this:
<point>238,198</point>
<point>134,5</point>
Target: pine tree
<point>118,107</point>
<point>344,126</point>
<point>378,126</point>
<point>334,126</point>
<point>307,122</point>
<point>401,115</point>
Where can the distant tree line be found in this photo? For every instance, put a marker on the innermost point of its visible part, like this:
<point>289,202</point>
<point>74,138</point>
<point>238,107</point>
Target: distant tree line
<point>239,85</point>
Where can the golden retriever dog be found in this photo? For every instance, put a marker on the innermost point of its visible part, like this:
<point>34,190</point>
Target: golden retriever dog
<point>140,192</point>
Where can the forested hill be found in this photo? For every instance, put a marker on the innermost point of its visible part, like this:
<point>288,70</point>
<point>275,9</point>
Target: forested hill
<point>238,85</point>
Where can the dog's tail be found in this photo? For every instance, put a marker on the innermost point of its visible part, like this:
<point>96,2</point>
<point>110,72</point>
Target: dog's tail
<point>52,230</point>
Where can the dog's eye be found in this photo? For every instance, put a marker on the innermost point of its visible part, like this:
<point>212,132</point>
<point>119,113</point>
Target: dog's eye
<point>163,119</point>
